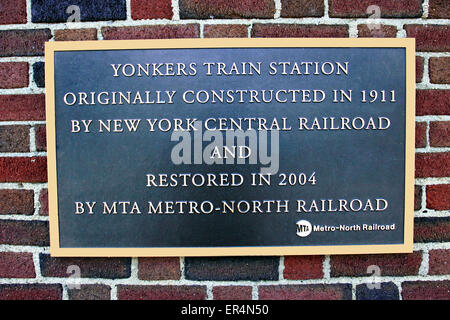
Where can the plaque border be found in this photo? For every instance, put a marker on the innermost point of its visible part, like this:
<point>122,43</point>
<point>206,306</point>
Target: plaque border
<point>406,247</point>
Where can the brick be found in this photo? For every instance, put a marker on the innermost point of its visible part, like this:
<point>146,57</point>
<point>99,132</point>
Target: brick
<point>16,265</point>
<point>39,74</point>
<point>161,292</point>
<point>439,70</point>
<point>419,69</point>
<point>13,12</point>
<point>41,137</point>
<point>90,292</point>
<point>389,264</point>
<point>303,267</point>
<point>433,164</point>
<point>14,138</point>
<point>302,8</point>
<point>43,199</point>
<point>13,75</point>
<point>417,198</point>
<point>232,293</point>
<point>225,31</point>
<point>440,134</point>
<point>22,107</point>
<point>426,290</point>
<point>17,202</point>
<point>151,9</point>
<point>151,32</point>
<point>421,134</point>
<point>23,169</point>
<point>23,42</point>
<point>438,197</point>
<point>232,268</point>
<point>109,268</point>
<point>388,8</point>
<point>159,269</point>
<point>306,292</point>
<point>439,262</point>
<point>387,291</point>
<point>299,31</point>
<point>76,34</point>
<point>432,229</point>
<point>24,233</point>
<point>30,292</point>
<point>429,37</point>
<point>376,31</point>
<point>56,10</point>
<point>438,9</point>
<point>226,9</point>
<point>432,102</point>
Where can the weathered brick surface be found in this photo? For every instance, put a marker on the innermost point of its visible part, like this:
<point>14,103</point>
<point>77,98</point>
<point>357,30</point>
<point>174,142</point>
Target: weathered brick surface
<point>13,11</point>
<point>56,10</point>
<point>299,31</point>
<point>217,9</point>
<point>421,131</point>
<point>306,292</point>
<point>432,102</point>
<point>16,265</point>
<point>90,292</point>
<point>425,290</point>
<point>376,31</point>
<point>151,9</point>
<point>16,201</point>
<point>23,169</point>
<point>30,292</point>
<point>439,69</point>
<point>390,264</point>
<point>151,32</point>
<point>225,31</point>
<point>232,293</point>
<point>76,34</point>
<point>432,229</point>
<point>439,262</point>
<point>419,69</point>
<point>110,268</point>
<point>232,268</point>
<point>39,74</point>
<point>430,37</point>
<point>438,9</point>
<point>23,42</point>
<point>388,8</point>
<point>159,269</point>
<point>24,233</point>
<point>41,137</point>
<point>417,198</point>
<point>22,107</point>
<point>14,138</point>
<point>385,291</point>
<point>13,75</point>
<point>302,8</point>
<point>303,267</point>
<point>161,292</point>
<point>440,134</point>
<point>43,199</point>
<point>438,197</point>
<point>435,164</point>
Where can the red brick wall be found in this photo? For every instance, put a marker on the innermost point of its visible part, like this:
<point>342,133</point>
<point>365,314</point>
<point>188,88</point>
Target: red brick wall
<point>28,272</point>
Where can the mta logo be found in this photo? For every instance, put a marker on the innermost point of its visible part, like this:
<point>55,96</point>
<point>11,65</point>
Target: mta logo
<point>304,228</point>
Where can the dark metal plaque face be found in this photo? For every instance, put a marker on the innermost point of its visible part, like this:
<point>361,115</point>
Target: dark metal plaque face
<point>230,147</point>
